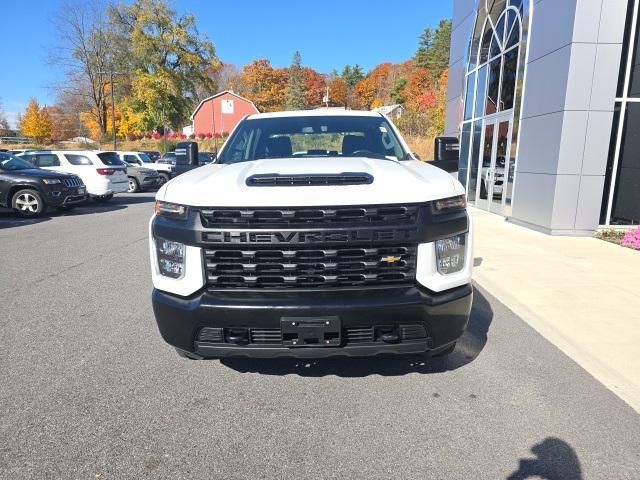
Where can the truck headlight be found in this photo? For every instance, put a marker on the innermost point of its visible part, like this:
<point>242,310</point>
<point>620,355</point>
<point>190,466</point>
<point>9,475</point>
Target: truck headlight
<point>171,256</point>
<point>450,254</point>
<point>173,210</point>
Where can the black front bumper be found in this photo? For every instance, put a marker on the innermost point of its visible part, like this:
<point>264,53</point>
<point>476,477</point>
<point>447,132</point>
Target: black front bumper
<point>66,197</point>
<point>443,315</point>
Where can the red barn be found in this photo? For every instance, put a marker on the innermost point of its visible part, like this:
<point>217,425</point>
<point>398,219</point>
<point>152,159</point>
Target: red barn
<point>221,113</point>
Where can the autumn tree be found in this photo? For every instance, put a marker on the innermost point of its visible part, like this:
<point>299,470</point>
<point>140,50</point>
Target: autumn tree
<point>315,87</point>
<point>264,85</point>
<point>433,51</point>
<point>365,92</point>
<point>296,87</point>
<point>63,123</point>
<point>36,123</point>
<point>84,50</point>
<point>169,61</point>
<point>337,92</point>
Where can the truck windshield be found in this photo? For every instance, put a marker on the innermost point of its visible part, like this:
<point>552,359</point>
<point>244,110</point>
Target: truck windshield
<point>313,136</point>
<point>145,158</point>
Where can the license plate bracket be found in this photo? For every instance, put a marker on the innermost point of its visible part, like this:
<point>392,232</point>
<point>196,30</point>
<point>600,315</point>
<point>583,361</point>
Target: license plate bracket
<point>311,331</point>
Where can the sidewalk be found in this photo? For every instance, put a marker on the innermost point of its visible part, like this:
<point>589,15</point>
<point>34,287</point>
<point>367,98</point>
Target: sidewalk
<point>582,294</point>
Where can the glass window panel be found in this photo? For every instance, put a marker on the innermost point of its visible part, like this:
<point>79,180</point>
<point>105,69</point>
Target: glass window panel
<point>496,7</point>
<point>495,47</point>
<point>500,29</point>
<point>486,42</point>
<point>634,80</point>
<point>626,200</point>
<point>485,161</point>
<point>476,40</point>
<point>481,92</point>
<point>465,144</point>
<point>509,74</point>
<point>510,171</point>
<point>493,86</point>
<point>516,4</point>
<point>473,162</point>
<point>469,99</point>
<point>514,37</point>
<point>609,170</point>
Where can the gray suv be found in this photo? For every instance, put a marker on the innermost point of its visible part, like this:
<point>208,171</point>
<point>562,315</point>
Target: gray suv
<point>141,178</point>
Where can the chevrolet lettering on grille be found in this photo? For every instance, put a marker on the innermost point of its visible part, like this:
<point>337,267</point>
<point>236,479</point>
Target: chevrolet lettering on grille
<point>402,235</point>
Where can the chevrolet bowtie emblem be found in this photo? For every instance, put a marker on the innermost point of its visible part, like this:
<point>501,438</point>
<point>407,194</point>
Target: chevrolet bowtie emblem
<point>390,259</point>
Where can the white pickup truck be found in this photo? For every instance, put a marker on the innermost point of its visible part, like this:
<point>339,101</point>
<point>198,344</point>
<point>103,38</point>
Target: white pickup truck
<point>315,233</point>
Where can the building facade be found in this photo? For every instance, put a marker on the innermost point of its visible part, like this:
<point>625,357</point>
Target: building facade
<point>544,96</point>
<point>221,113</point>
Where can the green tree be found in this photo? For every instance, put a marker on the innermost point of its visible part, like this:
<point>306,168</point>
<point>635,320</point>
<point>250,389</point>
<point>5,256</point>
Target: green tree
<point>296,87</point>
<point>397,96</point>
<point>433,52</point>
<point>352,75</point>
<point>167,58</point>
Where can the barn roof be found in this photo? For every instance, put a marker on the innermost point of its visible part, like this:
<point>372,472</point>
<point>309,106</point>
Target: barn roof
<point>218,95</point>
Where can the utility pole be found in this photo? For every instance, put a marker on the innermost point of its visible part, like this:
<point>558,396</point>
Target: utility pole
<point>111,73</point>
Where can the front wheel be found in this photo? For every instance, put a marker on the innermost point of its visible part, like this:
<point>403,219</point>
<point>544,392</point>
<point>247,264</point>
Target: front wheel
<point>28,203</point>
<point>133,185</point>
<point>164,178</point>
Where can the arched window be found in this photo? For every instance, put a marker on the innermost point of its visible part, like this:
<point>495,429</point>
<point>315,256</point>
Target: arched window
<point>492,70</point>
<point>495,65</point>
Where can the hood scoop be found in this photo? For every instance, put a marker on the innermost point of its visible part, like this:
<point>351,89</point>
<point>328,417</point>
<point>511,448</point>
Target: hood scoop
<point>306,180</point>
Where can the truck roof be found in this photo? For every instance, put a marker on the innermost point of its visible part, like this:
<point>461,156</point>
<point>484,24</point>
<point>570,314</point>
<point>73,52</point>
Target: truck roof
<point>319,112</point>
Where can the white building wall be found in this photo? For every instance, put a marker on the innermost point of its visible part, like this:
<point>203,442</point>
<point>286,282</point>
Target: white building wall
<point>567,108</point>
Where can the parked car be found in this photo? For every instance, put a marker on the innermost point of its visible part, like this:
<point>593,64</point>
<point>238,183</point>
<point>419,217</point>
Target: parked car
<point>153,155</point>
<point>102,172</point>
<point>164,170</point>
<point>169,158</point>
<point>142,178</point>
<point>29,191</point>
<point>206,157</point>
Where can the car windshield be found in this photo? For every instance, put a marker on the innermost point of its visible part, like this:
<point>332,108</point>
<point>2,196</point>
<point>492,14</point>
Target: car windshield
<point>145,158</point>
<point>313,136</point>
<point>9,162</point>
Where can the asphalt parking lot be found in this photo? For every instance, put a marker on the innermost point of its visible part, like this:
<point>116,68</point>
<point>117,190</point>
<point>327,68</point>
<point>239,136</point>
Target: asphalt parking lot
<point>90,391</point>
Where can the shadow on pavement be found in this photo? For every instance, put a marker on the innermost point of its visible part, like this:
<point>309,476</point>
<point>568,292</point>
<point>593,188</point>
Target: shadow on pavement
<point>467,350</point>
<point>8,219</point>
<point>555,460</point>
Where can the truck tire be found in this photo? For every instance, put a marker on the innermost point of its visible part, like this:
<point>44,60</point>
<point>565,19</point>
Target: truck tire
<point>134,186</point>
<point>28,203</point>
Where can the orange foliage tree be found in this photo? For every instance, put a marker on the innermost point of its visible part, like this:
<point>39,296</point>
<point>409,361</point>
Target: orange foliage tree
<point>264,85</point>
<point>316,87</point>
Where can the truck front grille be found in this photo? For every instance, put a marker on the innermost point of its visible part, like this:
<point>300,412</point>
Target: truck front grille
<point>352,216</point>
<point>305,266</point>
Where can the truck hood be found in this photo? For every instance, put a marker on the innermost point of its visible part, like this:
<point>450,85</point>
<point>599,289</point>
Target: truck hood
<point>225,185</point>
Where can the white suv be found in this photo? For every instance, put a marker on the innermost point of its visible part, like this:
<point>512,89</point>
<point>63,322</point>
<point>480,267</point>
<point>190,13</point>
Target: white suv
<point>164,170</point>
<point>102,172</point>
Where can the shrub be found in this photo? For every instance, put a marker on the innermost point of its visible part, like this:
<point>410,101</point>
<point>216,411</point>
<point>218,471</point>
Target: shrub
<point>631,239</point>
<point>209,135</point>
<point>201,136</point>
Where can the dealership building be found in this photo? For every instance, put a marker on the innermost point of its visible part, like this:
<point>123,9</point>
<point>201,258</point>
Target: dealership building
<point>544,96</point>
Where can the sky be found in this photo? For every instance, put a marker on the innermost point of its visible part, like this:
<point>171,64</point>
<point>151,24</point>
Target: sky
<point>329,34</point>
